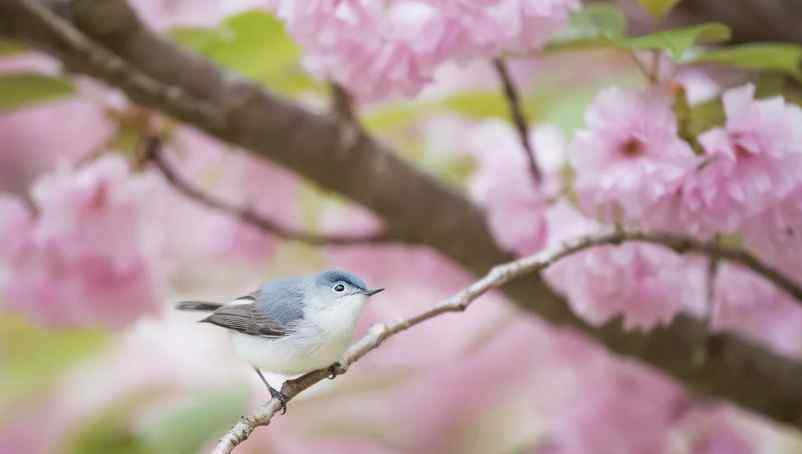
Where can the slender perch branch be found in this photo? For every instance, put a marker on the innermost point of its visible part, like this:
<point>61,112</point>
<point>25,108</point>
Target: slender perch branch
<point>518,117</point>
<point>106,40</point>
<point>154,155</point>
<point>460,301</point>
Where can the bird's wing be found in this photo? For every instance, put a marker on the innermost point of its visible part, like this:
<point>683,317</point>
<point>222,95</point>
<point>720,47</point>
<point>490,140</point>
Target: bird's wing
<point>247,319</point>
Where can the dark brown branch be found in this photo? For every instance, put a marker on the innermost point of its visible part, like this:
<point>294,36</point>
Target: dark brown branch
<point>518,117</point>
<point>750,20</point>
<point>416,207</point>
<point>153,154</point>
<point>460,301</point>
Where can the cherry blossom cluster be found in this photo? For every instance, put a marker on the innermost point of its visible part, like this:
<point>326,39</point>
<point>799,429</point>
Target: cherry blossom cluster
<point>86,256</point>
<point>395,46</point>
<point>631,168</point>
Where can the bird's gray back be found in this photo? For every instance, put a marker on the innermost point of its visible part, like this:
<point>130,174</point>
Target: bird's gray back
<point>283,300</point>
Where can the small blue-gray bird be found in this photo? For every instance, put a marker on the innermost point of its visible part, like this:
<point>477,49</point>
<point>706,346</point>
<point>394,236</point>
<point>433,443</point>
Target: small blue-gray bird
<point>291,326</point>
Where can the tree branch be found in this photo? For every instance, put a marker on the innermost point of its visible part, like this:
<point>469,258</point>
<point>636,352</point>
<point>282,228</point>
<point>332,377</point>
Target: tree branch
<point>460,301</point>
<point>342,103</point>
<point>153,154</point>
<point>518,117</point>
<point>750,20</point>
<point>417,208</point>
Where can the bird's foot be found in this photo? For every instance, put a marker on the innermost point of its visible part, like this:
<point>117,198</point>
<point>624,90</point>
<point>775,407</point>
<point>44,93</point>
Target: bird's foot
<point>334,370</point>
<point>275,394</point>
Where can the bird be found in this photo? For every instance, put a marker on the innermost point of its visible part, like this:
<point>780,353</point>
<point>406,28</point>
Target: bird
<point>291,326</point>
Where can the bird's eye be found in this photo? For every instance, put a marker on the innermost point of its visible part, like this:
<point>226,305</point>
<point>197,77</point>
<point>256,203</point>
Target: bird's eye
<point>339,288</point>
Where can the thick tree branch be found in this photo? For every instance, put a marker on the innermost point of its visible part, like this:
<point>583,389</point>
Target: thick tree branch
<point>750,20</point>
<point>518,117</point>
<point>460,301</point>
<point>417,208</point>
<point>153,154</point>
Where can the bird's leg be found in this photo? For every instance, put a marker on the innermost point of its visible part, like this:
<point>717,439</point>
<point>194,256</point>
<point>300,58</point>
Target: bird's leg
<point>333,370</point>
<point>274,393</point>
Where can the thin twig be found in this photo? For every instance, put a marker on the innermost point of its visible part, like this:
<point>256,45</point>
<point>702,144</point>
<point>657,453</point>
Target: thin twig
<point>349,130</point>
<point>497,277</point>
<point>153,154</point>
<point>650,74</point>
<point>713,266</point>
<point>518,117</point>
<point>342,103</point>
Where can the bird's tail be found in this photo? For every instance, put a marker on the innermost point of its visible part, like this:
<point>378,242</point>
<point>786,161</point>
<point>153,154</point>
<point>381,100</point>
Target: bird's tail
<point>198,306</point>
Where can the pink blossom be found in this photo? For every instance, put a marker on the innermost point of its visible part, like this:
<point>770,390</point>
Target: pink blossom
<point>645,283</point>
<point>336,445</point>
<point>617,409</point>
<point>751,163</point>
<point>87,257</point>
<point>28,62</point>
<point>749,304</point>
<point>629,156</point>
<point>502,184</point>
<point>718,432</point>
<point>37,138</point>
<point>775,235</point>
<point>380,47</point>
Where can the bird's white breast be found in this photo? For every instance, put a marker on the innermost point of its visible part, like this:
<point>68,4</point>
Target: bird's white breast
<point>318,340</point>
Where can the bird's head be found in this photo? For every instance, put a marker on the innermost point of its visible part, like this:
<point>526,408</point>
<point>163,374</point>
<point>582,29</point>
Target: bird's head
<point>335,288</point>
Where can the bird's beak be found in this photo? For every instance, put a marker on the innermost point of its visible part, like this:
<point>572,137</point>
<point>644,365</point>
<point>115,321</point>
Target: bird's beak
<point>373,292</point>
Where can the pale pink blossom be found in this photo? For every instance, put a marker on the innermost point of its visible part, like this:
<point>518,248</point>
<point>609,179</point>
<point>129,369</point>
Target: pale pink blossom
<point>629,155</point>
<point>28,62</point>
<point>775,234</point>
<point>36,139</point>
<point>750,164</point>
<point>377,48</point>
<point>87,257</point>
<point>567,223</point>
<point>749,304</point>
<point>503,185</point>
<point>333,445</point>
<point>449,397</point>
<point>617,409</point>
<point>646,284</point>
<point>718,432</point>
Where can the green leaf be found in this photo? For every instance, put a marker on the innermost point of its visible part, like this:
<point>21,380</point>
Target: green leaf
<point>694,120</point>
<point>393,116</point>
<point>705,116</point>
<point>658,8</point>
<point>478,104</point>
<point>189,426</point>
<point>22,89</point>
<point>782,57</point>
<point>677,41</point>
<point>31,357</point>
<point>255,45</point>
<point>594,24</point>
